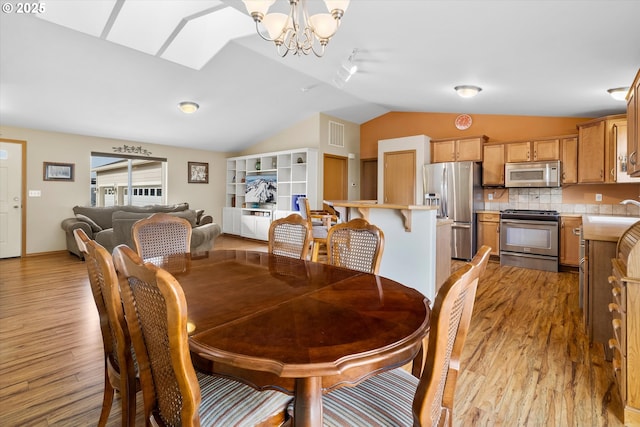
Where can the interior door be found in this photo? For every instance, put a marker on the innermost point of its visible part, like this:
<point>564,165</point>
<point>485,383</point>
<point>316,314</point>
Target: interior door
<point>335,178</point>
<point>400,177</point>
<point>10,199</point>
<point>369,179</point>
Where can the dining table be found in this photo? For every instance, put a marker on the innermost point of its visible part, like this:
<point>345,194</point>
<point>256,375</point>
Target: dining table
<point>301,327</point>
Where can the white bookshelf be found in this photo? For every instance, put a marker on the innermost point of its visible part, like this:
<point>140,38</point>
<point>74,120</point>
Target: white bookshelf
<point>296,173</point>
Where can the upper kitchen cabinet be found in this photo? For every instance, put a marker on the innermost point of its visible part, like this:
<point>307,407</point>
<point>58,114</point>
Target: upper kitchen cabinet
<point>533,151</point>
<point>599,156</point>
<point>569,159</point>
<point>457,150</point>
<point>493,165</point>
<point>633,127</point>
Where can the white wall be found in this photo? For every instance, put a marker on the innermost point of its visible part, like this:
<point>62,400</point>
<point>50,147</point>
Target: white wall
<point>314,133</point>
<point>45,213</point>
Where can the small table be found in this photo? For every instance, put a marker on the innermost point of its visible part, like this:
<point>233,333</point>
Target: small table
<point>300,327</point>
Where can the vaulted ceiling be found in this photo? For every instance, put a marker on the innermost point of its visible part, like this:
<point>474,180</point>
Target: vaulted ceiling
<point>118,68</point>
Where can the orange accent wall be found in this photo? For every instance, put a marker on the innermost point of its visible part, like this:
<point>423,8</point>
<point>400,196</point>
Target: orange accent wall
<point>499,128</point>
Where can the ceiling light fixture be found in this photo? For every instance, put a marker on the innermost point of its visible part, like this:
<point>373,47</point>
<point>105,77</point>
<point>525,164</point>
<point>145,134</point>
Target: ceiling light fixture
<point>619,93</point>
<point>298,32</point>
<point>467,91</point>
<point>347,69</point>
<point>188,107</point>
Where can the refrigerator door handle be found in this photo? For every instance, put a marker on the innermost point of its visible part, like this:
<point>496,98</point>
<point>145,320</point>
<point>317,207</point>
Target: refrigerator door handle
<point>444,193</point>
<point>455,225</point>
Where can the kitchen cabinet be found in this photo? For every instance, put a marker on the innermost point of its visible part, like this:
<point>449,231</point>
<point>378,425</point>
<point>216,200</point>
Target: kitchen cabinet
<point>570,240</point>
<point>493,165</point>
<point>489,231</point>
<point>624,306</point>
<point>597,149</point>
<point>633,127</point>
<point>533,151</point>
<point>457,150</point>
<point>569,159</point>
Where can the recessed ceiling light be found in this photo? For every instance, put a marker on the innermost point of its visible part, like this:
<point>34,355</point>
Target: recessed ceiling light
<point>618,93</point>
<point>188,107</point>
<point>467,91</point>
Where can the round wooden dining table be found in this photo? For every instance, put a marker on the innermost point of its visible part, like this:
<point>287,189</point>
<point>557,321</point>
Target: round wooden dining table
<point>301,327</point>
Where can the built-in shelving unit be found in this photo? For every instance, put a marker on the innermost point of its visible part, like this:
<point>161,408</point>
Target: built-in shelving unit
<point>294,172</point>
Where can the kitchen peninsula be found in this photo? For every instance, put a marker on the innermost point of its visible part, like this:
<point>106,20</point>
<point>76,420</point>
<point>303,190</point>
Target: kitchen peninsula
<point>411,243</point>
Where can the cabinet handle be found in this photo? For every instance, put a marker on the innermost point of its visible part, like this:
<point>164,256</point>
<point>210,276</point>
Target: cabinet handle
<point>632,158</point>
<point>612,172</point>
<point>601,173</point>
<point>617,324</point>
<point>576,231</point>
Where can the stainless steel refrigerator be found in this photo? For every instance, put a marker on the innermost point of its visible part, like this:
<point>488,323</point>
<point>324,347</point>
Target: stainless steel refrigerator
<point>457,190</point>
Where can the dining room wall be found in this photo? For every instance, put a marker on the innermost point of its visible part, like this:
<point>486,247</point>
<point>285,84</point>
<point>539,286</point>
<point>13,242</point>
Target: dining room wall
<point>45,213</point>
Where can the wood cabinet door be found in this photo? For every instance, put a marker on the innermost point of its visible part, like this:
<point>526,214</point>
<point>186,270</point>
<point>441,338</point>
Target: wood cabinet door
<point>493,165</point>
<point>633,132</point>
<point>569,159</point>
<point>443,151</point>
<point>570,241</point>
<point>548,149</point>
<point>469,150</point>
<point>489,234</point>
<point>591,152</point>
<point>518,151</point>
<point>400,177</point>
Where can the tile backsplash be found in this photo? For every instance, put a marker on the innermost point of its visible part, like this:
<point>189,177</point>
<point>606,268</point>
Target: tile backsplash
<point>551,199</point>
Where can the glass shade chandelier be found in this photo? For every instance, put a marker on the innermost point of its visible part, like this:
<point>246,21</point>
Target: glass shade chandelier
<point>298,32</point>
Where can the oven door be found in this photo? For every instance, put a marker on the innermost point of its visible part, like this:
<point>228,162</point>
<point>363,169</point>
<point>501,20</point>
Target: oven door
<point>529,237</point>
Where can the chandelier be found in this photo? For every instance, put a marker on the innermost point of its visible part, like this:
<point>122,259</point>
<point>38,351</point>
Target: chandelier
<point>298,32</point>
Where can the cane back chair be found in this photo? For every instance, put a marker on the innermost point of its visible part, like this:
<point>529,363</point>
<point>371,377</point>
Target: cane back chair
<point>173,394</point>
<point>356,244</point>
<point>290,236</point>
<point>161,234</point>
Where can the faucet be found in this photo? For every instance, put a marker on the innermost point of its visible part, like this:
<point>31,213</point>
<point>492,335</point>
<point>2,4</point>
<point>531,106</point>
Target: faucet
<point>629,201</point>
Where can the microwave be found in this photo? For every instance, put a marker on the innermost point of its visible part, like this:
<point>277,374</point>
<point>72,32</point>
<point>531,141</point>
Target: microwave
<point>533,174</point>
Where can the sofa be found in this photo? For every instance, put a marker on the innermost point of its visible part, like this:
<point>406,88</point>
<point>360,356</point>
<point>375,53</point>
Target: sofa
<point>110,226</point>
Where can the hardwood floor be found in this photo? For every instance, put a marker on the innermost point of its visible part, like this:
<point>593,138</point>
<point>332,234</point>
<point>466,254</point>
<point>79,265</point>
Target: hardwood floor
<point>527,361</point>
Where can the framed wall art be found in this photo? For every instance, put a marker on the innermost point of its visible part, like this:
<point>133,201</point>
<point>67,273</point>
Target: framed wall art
<point>198,173</point>
<point>58,171</point>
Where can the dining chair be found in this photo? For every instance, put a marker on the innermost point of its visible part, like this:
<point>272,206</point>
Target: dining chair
<point>161,234</point>
<point>398,398</point>
<point>173,393</point>
<point>320,222</point>
<point>355,244</point>
<point>119,364</point>
<point>290,236</point>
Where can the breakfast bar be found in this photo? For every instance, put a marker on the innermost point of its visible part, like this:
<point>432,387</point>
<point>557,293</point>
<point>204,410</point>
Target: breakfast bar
<point>410,245</point>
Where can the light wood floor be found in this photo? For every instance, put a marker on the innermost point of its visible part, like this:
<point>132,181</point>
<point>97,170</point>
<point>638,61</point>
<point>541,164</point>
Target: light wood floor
<point>526,361</point>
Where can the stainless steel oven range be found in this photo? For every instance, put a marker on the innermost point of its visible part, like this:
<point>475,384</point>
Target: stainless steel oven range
<point>529,238</point>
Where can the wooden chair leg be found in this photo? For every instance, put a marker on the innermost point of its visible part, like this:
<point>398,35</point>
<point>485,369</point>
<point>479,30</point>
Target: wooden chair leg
<point>316,250</point>
<point>107,400</point>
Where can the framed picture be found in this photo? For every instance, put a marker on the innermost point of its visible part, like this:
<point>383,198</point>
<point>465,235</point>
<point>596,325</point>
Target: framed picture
<point>198,173</point>
<point>58,171</point>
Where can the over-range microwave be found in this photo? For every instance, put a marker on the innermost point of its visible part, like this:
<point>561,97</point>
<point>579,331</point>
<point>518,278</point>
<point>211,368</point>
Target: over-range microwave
<point>533,174</point>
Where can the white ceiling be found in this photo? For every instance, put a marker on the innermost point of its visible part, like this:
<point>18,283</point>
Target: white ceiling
<point>541,58</point>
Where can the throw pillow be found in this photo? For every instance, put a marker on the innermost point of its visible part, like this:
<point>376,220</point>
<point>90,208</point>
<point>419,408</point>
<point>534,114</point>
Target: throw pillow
<point>94,227</point>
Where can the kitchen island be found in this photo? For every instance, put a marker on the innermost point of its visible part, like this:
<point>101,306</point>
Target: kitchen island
<point>410,246</point>
<point>601,234</point>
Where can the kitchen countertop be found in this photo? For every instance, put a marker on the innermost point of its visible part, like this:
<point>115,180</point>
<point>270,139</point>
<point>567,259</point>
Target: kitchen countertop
<point>607,232</point>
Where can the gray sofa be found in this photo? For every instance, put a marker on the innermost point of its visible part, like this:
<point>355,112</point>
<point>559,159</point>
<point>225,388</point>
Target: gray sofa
<point>111,225</point>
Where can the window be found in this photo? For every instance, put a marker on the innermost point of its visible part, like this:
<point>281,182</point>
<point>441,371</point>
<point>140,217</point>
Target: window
<point>127,180</point>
